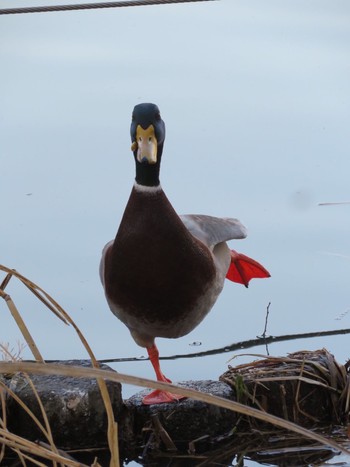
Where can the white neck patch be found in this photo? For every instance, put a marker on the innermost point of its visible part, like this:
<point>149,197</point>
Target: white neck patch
<point>147,189</point>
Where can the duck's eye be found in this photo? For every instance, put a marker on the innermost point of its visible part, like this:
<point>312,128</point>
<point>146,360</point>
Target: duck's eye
<point>149,139</point>
<point>157,116</point>
<point>140,139</point>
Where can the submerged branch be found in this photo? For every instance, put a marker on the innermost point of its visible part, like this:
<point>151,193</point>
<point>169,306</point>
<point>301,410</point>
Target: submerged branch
<point>237,346</point>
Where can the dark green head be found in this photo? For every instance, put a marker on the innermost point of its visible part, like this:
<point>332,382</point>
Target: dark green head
<point>147,135</point>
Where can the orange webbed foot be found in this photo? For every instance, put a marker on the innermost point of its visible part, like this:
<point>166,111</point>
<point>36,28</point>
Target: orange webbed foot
<point>161,397</point>
<point>242,269</point>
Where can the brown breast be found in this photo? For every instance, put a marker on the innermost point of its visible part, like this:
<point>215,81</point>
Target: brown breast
<point>156,269</point>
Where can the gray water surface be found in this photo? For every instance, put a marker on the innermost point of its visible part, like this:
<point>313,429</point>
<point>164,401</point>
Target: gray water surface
<point>256,99</point>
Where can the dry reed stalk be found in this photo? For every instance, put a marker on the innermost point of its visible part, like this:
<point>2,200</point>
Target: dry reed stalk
<point>62,453</point>
<point>40,293</point>
<point>28,447</point>
<point>21,325</point>
<point>8,354</point>
<point>26,409</point>
<point>112,428</point>
<point>3,420</point>
<point>43,414</point>
<point>49,302</point>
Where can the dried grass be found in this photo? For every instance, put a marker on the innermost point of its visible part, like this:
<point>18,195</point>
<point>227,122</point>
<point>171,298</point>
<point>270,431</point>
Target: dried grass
<point>307,387</point>
<point>54,307</point>
<point>28,451</point>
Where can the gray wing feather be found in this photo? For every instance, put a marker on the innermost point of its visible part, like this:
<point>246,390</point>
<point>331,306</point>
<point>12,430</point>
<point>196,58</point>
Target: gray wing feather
<point>213,230</point>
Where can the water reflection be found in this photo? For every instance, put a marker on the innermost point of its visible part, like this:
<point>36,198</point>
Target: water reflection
<point>274,448</point>
<point>251,448</point>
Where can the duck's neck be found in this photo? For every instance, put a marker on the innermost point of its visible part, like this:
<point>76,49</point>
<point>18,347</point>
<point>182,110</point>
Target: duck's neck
<point>147,189</point>
<point>147,175</point>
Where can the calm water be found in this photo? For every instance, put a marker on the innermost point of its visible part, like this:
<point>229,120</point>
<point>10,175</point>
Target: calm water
<point>256,100</point>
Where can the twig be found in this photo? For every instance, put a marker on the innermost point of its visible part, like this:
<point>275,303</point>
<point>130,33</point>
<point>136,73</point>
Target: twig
<point>263,335</point>
<point>163,434</point>
<point>59,451</point>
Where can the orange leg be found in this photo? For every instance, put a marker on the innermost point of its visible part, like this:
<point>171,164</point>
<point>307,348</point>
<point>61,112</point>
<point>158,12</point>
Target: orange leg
<point>158,396</point>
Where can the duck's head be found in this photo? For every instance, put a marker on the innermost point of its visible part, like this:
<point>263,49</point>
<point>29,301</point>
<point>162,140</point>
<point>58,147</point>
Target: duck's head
<point>147,136</point>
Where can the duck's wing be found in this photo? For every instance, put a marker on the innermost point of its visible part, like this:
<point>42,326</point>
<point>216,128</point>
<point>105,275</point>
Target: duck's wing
<point>103,260</point>
<point>213,230</point>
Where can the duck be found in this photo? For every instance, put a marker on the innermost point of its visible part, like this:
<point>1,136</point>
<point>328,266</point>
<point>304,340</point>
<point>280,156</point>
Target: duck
<point>163,272</point>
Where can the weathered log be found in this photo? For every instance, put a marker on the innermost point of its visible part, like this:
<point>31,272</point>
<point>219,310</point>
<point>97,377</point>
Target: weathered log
<point>73,406</point>
<point>187,426</point>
